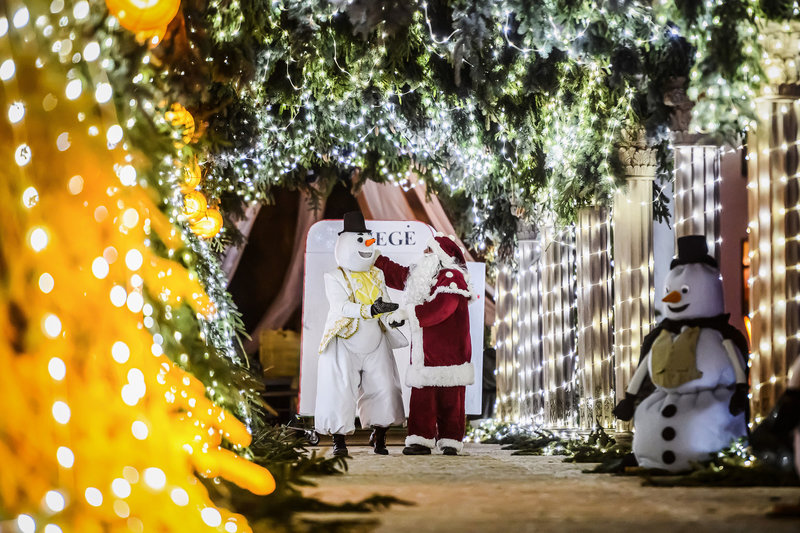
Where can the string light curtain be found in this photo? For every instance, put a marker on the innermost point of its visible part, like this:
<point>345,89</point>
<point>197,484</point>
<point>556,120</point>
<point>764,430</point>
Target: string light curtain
<point>529,349</point>
<point>520,369</point>
<point>697,180</point>
<point>558,328</point>
<point>595,310</point>
<point>633,258</point>
<point>507,408</point>
<point>774,225</point>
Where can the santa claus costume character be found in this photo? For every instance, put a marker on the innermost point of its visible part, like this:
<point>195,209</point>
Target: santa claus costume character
<point>437,296</point>
<point>357,374</point>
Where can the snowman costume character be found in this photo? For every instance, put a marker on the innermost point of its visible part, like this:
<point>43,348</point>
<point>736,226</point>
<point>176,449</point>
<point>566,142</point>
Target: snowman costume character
<point>437,296</point>
<point>697,363</point>
<point>357,374</point>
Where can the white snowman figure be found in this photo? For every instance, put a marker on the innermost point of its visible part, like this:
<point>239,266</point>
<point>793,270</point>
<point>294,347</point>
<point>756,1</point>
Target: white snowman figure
<point>697,362</point>
<point>357,373</point>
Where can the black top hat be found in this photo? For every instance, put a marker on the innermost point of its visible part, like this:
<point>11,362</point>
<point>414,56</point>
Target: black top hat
<point>693,249</point>
<point>354,223</point>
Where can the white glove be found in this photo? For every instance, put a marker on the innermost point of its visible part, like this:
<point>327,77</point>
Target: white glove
<point>398,316</point>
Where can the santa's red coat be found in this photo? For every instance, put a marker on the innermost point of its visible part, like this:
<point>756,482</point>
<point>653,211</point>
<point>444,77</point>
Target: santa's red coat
<point>441,348</point>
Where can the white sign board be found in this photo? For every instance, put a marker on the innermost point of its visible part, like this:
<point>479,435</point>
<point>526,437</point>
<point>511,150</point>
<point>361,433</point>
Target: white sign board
<point>403,242</point>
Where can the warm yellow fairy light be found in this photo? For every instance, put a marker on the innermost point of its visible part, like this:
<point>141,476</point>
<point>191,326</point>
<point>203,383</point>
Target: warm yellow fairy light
<point>46,283</point>
<point>75,185</point>
<point>63,344</point>
<point>38,239</point>
<point>194,206</point>
<point>179,496</point>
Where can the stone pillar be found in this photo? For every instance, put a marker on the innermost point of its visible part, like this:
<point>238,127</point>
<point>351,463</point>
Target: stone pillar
<point>558,328</point>
<point>697,173</point>
<point>595,308</point>
<point>774,224</point>
<point>633,258</point>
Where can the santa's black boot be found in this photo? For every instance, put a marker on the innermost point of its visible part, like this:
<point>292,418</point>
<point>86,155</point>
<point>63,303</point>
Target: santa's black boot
<point>339,446</point>
<point>378,440</point>
<point>416,449</point>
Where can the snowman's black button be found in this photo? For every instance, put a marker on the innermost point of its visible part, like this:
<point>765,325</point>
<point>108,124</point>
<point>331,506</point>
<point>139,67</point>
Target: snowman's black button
<point>668,433</point>
<point>668,457</point>
<point>669,411</point>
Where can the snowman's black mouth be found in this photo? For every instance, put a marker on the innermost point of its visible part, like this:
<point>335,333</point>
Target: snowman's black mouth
<point>678,309</point>
<point>365,255</point>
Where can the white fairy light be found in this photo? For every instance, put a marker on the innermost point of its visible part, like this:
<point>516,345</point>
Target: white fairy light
<point>57,368</point>
<point>93,497</point>
<point>155,478</point>
<point>16,112</point>
<point>61,412</point>
<point>55,501</point>
<point>65,457</point>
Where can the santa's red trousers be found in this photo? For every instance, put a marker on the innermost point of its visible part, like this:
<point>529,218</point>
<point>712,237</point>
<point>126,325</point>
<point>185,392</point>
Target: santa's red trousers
<point>437,413</point>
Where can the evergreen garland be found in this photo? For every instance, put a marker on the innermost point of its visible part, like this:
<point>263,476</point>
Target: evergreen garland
<point>513,101</point>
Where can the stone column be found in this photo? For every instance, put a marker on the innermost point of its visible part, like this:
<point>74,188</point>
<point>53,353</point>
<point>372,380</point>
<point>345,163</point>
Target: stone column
<point>633,258</point>
<point>697,173</point>
<point>558,328</point>
<point>595,308</point>
<point>773,219</point>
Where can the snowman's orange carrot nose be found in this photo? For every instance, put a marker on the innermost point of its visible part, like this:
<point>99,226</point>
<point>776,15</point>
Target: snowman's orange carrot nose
<point>673,297</point>
<point>370,242</point>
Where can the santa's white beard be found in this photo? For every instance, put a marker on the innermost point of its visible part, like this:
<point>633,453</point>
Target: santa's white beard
<point>421,278</point>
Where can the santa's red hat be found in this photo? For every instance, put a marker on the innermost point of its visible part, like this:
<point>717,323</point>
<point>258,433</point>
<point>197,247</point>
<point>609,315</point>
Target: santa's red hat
<point>447,250</point>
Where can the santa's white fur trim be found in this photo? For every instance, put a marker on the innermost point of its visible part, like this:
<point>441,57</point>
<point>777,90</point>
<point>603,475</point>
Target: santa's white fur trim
<point>447,260</point>
<point>422,441</point>
<point>452,289</point>
<point>450,443</point>
<point>440,376</point>
<point>418,375</point>
<point>421,278</point>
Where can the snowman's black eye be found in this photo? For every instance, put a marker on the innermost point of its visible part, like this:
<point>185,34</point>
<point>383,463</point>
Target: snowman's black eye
<point>361,239</point>
<point>685,289</point>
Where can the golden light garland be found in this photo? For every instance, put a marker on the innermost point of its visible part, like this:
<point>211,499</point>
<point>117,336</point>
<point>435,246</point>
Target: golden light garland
<point>100,431</point>
<point>181,119</point>
<point>143,15</point>
<point>210,225</point>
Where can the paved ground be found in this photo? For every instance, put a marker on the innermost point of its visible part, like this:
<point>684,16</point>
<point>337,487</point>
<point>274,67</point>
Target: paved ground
<point>491,490</point>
